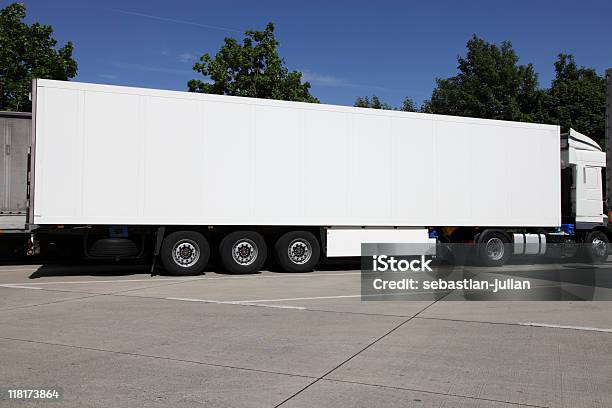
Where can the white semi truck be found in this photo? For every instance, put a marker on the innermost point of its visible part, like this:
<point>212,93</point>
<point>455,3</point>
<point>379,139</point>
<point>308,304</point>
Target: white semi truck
<point>130,172</point>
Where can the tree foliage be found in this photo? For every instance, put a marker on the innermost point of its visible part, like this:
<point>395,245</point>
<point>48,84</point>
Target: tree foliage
<point>252,69</point>
<point>490,84</point>
<point>372,103</point>
<point>28,52</point>
<point>408,104</point>
<point>577,98</point>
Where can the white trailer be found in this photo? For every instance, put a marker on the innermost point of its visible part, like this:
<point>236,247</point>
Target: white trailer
<point>15,134</point>
<point>181,174</point>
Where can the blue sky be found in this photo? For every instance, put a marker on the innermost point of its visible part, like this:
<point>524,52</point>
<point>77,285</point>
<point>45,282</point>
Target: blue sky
<point>345,48</point>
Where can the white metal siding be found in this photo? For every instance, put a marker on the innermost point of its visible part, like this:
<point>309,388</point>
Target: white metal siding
<point>347,241</point>
<point>117,155</point>
<point>14,143</point>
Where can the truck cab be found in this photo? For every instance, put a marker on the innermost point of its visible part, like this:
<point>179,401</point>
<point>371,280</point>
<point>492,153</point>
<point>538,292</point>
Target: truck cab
<point>582,161</point>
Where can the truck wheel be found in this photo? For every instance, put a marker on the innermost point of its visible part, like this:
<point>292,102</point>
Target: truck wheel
<point>596,246</point>
<point>185,253</point>
<point>494,249</point>
<point>243,251</point>
<point>297,251</point>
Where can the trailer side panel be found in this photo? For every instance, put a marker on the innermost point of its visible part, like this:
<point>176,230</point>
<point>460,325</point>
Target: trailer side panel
<point>117,155</point>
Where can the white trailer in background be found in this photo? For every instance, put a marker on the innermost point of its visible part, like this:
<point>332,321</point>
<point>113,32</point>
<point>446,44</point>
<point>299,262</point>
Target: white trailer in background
<point>15,132</point>
<point>135,171</point>
<point>15,137</point>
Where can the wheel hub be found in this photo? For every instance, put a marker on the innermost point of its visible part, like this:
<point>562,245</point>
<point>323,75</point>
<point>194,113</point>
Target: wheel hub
<point>185,253</point>
<point>495,249</point>
<point>299,251</point>
<point>244,252</point>
<point>600,247</point>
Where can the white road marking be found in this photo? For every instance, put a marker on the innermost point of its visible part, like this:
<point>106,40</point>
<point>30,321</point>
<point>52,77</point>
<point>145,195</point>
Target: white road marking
<point>113,281</point>
<point>334,297</point>
<point>260,302</point>
<point>299,298</point>
<point>229,302</point>
<point>310,275</point>
<point>19,287</point>
<point>558,326</point>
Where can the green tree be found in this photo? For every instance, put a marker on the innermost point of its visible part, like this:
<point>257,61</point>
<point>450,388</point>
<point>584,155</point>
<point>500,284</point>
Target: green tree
<point>252,69</point>
<point>362,102</point>
<point>409,106</point>
<point>577,98</point>
<point>490,84</point>
<point>375,103</point>
<point>372,103</point>
<point>28,52</point>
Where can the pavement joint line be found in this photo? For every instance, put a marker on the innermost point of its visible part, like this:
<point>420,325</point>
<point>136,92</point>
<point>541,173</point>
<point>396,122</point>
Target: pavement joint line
<point>357,313</point>
<point>19,287</point>
<point>559,326</point>
<point>10,286</point>
<point>257,276</point>
<point>521,404</point>
<point>396,327</point>
<point>231,302</point>
<point>84,297</point>
<point>543,325</point>
<point>53,290</point>
<point>335,297</point>
<point>239,303</point>
<point>299,298</point>
<point>122,294</point>
<point>107,281</point>
<point>444,319</point>
<point>305,309</point>
<point>179,360</point>
<point>50,303</point>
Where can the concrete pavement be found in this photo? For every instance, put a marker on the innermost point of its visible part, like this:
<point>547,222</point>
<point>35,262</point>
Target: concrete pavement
<point>115,336</point>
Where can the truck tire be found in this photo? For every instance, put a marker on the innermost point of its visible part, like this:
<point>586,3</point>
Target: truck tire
<point>243,251</point>
<point>185,253</point>
<point>494,249</point>
<point>597,246</point>
<point>297,251</point>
